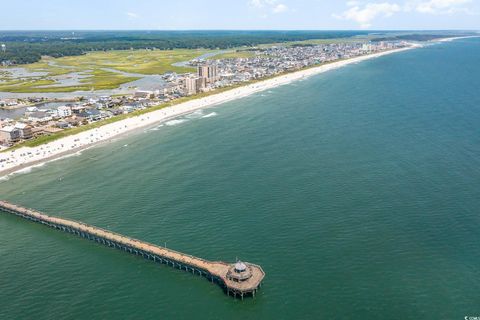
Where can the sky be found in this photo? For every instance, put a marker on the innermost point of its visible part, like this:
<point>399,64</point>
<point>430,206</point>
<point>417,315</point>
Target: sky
<point>239,14</point>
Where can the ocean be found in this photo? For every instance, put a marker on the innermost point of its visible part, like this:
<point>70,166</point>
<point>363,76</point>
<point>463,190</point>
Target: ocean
<point>356,190</point>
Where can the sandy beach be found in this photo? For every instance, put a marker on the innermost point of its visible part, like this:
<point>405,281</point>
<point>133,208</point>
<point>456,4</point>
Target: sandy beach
<point>19,159</point>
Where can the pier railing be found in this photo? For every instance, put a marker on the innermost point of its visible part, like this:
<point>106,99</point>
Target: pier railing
<point>215,271</point>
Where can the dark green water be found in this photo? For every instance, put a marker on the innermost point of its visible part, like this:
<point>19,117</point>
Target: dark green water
<point>358,191</point>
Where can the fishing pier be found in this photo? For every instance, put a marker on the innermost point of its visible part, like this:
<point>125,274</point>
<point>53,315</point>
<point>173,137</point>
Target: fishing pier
<point>237,279</point>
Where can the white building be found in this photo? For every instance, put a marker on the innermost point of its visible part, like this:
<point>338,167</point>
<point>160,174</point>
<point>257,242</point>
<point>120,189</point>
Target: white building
<point>9,134</point>
<point>64,111</point>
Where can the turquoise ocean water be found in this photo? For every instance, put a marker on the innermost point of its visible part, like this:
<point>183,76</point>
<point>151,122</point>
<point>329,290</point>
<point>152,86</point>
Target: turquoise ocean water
<point>357,190</point>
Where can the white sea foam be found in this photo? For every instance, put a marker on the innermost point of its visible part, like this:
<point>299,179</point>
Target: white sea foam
<point>156,128</point>
<point>27,169</point>
<point>39,165</point>
<point>195,115</point>
<point>175,122</point>
<point>76,154</point>
<point>209,115</point>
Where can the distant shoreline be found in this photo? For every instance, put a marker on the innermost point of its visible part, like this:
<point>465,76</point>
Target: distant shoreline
<point>25,157</point>
<point>455,38</point>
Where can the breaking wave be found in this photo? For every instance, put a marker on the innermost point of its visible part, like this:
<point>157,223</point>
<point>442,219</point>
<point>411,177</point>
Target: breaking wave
<point>175,122</point>
<point>196,114</point>
<point>209,115</point>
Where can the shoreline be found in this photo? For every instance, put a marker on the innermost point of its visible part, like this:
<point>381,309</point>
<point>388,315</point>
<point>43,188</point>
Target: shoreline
<point>455,38</point>
<point>26,157</point>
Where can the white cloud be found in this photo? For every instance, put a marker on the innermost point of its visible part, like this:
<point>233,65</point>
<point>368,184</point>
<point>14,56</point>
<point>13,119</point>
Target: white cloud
<point>353,3</point>
<point>441,6</point>
<point>365,14</point>
<point>279,8</point>
<point>255,3</point>
<point>268,6</point>
<point>132,15</point>
<point>261,3</point>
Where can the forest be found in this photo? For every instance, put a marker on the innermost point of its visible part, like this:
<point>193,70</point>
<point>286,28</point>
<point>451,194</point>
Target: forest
<point>21,47</point>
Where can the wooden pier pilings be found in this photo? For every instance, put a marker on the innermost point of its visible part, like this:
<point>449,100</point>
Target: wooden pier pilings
<point>239,279</point>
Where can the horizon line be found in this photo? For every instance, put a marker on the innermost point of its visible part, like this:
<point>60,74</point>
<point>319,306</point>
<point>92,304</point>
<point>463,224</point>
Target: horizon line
<point>273,30</point>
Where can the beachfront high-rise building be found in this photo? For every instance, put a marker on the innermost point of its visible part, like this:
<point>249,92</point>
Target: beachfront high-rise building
<point>208,72</point>
<point>190,86</point>
<point>200,83</point>
<point>194,85</point>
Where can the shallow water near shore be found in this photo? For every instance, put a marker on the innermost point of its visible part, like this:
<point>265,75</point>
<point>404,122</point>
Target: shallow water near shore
<point>356,190</point>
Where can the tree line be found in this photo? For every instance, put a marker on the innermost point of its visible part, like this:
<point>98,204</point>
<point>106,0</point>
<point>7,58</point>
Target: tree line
<point>28,47</point>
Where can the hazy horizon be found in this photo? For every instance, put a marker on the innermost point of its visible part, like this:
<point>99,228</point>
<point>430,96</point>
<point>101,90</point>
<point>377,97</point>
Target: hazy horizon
<point>242,15</point>
<point>237,30</point>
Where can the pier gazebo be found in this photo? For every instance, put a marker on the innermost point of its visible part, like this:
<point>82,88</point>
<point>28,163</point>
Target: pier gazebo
<point>240,278</point>
<point>243,278</point>
<point>239,272</point>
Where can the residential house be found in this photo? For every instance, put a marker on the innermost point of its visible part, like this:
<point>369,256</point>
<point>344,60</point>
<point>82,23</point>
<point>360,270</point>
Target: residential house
<point>9,135</point>
<point>64,111</point>
<point>25,130</point>
<point>39,116</point>
<point>91,115</point>
<point>144,94</point>
<point>62,124</point>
